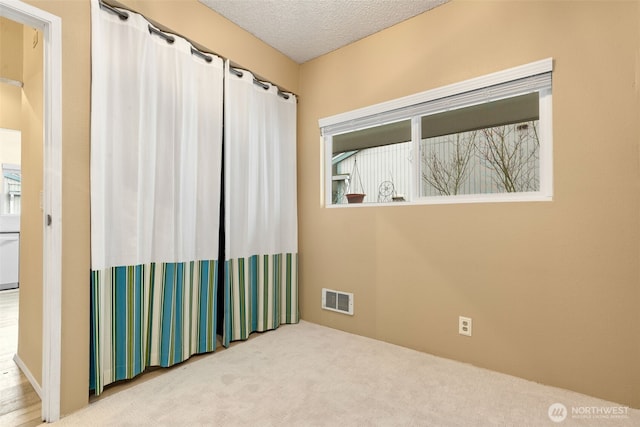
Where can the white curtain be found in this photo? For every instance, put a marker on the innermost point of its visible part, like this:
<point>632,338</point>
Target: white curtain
<point>156,152</point>
<point>261,237</point>
<point>156,132</point>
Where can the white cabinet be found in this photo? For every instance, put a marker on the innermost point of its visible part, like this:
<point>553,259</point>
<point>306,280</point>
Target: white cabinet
<point>9,260</point>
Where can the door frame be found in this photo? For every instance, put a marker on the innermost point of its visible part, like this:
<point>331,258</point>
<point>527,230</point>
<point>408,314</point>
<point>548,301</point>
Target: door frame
<point>51,27</point>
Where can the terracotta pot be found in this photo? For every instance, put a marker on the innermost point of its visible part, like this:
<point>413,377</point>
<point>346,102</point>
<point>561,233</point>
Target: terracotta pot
<point>355,197</point>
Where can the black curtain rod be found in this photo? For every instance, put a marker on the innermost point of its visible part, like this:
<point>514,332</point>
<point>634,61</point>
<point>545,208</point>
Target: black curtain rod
<point>170,39</point>
<point>122,15</point>
<point>152,30</point>
<point>196,52</point>
<point>263,85</point>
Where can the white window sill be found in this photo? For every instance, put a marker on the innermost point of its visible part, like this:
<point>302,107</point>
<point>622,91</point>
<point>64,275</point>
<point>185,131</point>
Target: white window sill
<point>449,200</point>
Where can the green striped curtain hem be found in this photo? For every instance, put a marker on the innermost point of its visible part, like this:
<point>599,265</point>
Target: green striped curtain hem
<point>150,315</point>
<point>261,292</point>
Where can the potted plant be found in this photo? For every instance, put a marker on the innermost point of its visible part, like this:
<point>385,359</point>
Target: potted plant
<point>352,195</point>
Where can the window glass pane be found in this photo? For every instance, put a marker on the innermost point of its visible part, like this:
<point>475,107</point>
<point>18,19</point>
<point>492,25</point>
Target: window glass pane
<point>11,180</point>
<point>487,148</point>
<point>374,162</point>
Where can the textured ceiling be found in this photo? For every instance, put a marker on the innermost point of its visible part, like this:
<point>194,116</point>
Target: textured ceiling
<point>305,29</point>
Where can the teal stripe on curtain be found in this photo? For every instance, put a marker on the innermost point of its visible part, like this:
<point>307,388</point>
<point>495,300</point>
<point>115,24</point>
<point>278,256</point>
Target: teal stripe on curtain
<point>260,294</point>
<point>150,315</point>
<point>127,288</point>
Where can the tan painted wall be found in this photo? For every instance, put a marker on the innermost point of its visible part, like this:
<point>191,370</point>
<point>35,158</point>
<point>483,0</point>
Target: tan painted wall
<point>30,328</point>
<point>10,49</point>
<point>10,99</point>
<point>10,68</point>
<point>201,25</point>
<point>553,288</point>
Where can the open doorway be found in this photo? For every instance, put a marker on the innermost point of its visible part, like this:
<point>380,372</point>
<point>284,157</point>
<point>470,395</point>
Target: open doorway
<point>40,127</point>
<point>10,204</point>
<point>21,138</point>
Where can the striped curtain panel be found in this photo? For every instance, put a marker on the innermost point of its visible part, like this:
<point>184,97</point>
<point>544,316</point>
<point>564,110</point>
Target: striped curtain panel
<point>156,156</point>
<point>261,240</point>
<point>150,315</point>
<point>263,293</point>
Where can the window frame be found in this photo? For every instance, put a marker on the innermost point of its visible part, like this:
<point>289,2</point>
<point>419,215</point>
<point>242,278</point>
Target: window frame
<point>528,78</point>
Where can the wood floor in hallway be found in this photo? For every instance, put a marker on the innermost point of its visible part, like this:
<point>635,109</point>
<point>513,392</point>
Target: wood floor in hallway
<point>19,403</point>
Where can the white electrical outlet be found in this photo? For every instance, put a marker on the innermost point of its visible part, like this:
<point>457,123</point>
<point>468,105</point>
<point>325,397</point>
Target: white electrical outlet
<point>464,326</point>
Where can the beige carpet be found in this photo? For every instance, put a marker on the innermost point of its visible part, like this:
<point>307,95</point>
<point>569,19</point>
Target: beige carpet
<point>309,375</point>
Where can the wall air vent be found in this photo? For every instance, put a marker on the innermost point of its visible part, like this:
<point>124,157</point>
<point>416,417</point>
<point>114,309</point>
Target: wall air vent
<point>342,302</point>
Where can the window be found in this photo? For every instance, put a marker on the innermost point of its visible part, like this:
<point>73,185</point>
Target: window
<point>485,139</point>
<point>11,186</point>
<point>372,161</point>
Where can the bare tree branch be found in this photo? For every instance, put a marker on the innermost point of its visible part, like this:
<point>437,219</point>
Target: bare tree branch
<point>447,176</point>
<point>511,151</point>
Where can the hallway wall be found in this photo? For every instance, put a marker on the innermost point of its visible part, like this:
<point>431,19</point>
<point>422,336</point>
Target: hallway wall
<point>10,68</point>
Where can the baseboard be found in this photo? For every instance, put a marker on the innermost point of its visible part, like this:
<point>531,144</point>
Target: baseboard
<point>27,373</point>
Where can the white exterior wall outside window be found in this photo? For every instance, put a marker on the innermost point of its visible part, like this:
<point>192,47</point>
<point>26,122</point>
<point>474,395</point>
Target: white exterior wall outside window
<point>487,139</point>
<point>385,173</point>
